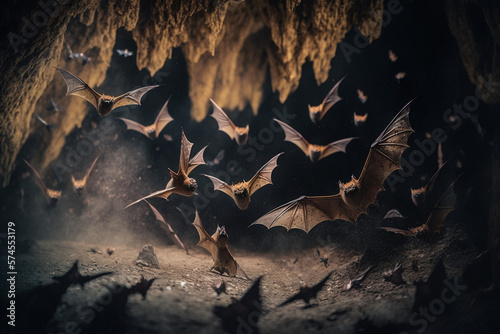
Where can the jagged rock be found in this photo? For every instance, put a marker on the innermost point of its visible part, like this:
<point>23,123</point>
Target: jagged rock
<point>147,257</point>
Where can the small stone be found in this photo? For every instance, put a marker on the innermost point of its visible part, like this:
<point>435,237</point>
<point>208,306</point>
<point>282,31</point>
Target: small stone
<point>147,257</point>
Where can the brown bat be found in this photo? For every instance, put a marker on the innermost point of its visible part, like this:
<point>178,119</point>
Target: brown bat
<point>79,185</point>
<point>216,244</point>
<point>242,191</point>
<point>400,75</point>
<point>395,275</point>
<point>226,125</point>
<point>307,293</point>
<point>151,131</point>
<point>356,282</point>
<point>51,195</point>
<point>392,56</point>
<point>314,152</point>
<point>167,228</point>
<point>316,113</point>
<point>419,195</point>
<point>354,196</point>
<point>179,182</point>
<point>103,103</point>
<point>360,120</point>
<point>361,96</point>
<point>323,256</point>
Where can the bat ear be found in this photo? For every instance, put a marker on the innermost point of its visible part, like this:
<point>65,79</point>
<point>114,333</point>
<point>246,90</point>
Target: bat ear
<point>341,185</point>
<point>352,177</point>
<point>247,127</point>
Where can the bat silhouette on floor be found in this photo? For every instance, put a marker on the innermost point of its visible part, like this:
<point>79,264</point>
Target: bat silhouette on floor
<point>316,113</point>
<point>307,293</point>
<point>356,195</point>
<point>239,134</point>
<point>242,191</point>
<point>79,185</point>
<point>51,195</point>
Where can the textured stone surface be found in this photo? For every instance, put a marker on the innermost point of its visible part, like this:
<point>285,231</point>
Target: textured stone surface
<point>147,257</point>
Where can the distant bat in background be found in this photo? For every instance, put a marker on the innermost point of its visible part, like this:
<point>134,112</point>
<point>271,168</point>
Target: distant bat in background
<point>392,56</point>
<point>242,191</point>
<point>419,195</point>
<point>79,185</point>
<point>360,120</point>
<point>48,126</point>
<point>356,282</point>
<point>316,113</point>
<point>249,307</point>
<point>103,103</point>
<point>400,75</point>
<point>218,158</point>
<point>361,96</point>
<point>179,182</point>
<point>314,152</point>
<point>51,195</point>
<point>355,196</point>
<point>307,293</point>
<point>395,275</point>
<point>167,228</point>
<point>216,245</point>
<point>53,107</point>
<point>227,126</point>
<point>323,256</point>
<point>125,53</point>
<point>151,131</point>
<point>75,55</point>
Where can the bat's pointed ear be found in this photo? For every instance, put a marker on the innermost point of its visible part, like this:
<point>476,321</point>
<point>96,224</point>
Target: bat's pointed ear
<point>247,127</point>
<point>352,177</point>
<point>341,185</point>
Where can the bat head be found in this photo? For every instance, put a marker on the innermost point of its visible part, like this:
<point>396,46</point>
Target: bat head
<point>360,120</point>
<point>350,191</point>
<point>78,185</point>
<point>191,184</point>
<point>221,235</point>
<point>106,103</point>
<point>242,135</point>
<point>314,113</point>
<point>418,196</point>
<point>315,153</point>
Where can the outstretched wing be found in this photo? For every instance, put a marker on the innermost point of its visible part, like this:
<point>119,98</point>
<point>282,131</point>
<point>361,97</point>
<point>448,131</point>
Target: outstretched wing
<point>91,168</point>
<point>407,233</point>
<point>186,146</point>
<point>206,241</point>
<point>318,287</point>
<point>162,119</point>
<point>384,157</point>
<point>294,137</point>
<point>331,98</point>
<point>132,97</point>
<point>165,193</point>
<point>78,87</point>
<point>444,206</point>
<point>132,125</point>
<point>224,122</point>
<point>306,212</point>
<point>196,161</point>
<point>263,176</point>
<point>336,146</point>
<point>38,180</point>
<point>221,186</point>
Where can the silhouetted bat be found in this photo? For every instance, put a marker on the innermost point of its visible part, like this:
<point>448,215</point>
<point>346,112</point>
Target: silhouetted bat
<point>48,126</point>
<point>75,55</point>
<point>51,195</point>
<point>323,256</point>
<point>79,185</point>
<point>179,182</point>
<point>104,104</point>
<point>167,228</point>
<point>395,275</point>
<point>431,290</point>
<point>151,131</point>
<point>316,113</point>
<point>54,107</point>
<point>242,191</point>
<point>392,56</point>
<point>361,96</point>
<point>356,282</point>
<point>125,53</point>
<point>226,125</point>
<point>216,244</point>
<point>307,293</point>
<point>218,158</point>
<point>419,196</point>
<point>220,287</point>
<point>360,120</point>
<point>354,197</point>
<point>241,316</point>
<point>314,152</point>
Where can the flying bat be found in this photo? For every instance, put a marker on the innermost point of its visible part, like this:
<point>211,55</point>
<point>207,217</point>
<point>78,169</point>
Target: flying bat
<point>216,245</point>
<point>419,196</point>
<point>316,113</point>
<point>104,104</point>
<point>151,131</point>
<point>167,228</point>
<point>237,133</point>
<point>48,126</point>
<point>314,152</point>
<point>125,53</point>
<point>356,282</point>
<point>51,195</point>
<point>395,275</point>
<point>361,96</point>
<point>392,56</point>
<point>307,293</point>
<point>354,196</point>
<point>400,75</point>
<point>179,182</point>
<point>323,256</point>
<point>218,158</point>
<point>79,185</point>
<point>75,55</point>
<point>360,120</point>
<point>242,191</point>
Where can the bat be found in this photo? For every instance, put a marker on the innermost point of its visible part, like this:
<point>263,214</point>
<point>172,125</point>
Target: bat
<point>167,228</point>
<point>79,185</point>
<point>290,263</point>
<point>356,282</point>
<point>307,293</point>
<point>395,275</point>
<point>244,312</point>
<point>104,104</point>
<point>360,120</point>
<point>220,287</point>
<point>323,256</point>
<point>75,55</point>
<point>125,53</point>
<point>392,56</point>
<point>239,134</point>
<point>242,191</point>
<point>73,276</point>
<point>216,245</point>
<point>355,196</point>
<point>419,196</point>
<point>432,289</point>
<point>400,75</point>
<point>314,152</point>
<point>54,107</point>
<point>48,126</point>
<point>394,213</point>
<point>218,158</point>
<point>110,250</point>
<point>51,195</point>
<point>316,113</point>
<point>180,183</point>
<point>151,131</point>
<point>361,96</point>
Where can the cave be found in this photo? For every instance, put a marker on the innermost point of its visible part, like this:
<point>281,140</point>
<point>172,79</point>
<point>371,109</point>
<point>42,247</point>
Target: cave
<point>392,226</point>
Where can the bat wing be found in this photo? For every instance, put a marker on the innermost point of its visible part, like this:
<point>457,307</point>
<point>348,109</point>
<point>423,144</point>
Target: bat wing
<point>186,147</point>
<point>196,161</point>
<point>336,146</point>
<point>165,193</point>
<point>331,98</point>
<point>444,206</point>
<point>39,180</point>
<point>263,176</point>
<point>132,97</point>
<point>221,186</point>
<point>224,122</point>
<point>294,137</point>
<point>318,287</point>
<point>407,233</point>
<point>78,87</point>
<point>162,119</point>
<point>306,212</point>
<point>206,241</point>
<point>384,157</point>
<point>167,228</point>
<point>91,168</point>
<point>297,296</point>
<point>132,125</point>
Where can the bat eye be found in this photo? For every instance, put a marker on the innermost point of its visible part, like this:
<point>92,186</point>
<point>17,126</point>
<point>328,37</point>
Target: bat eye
<point>241,192</point>
<point>192,185</point>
